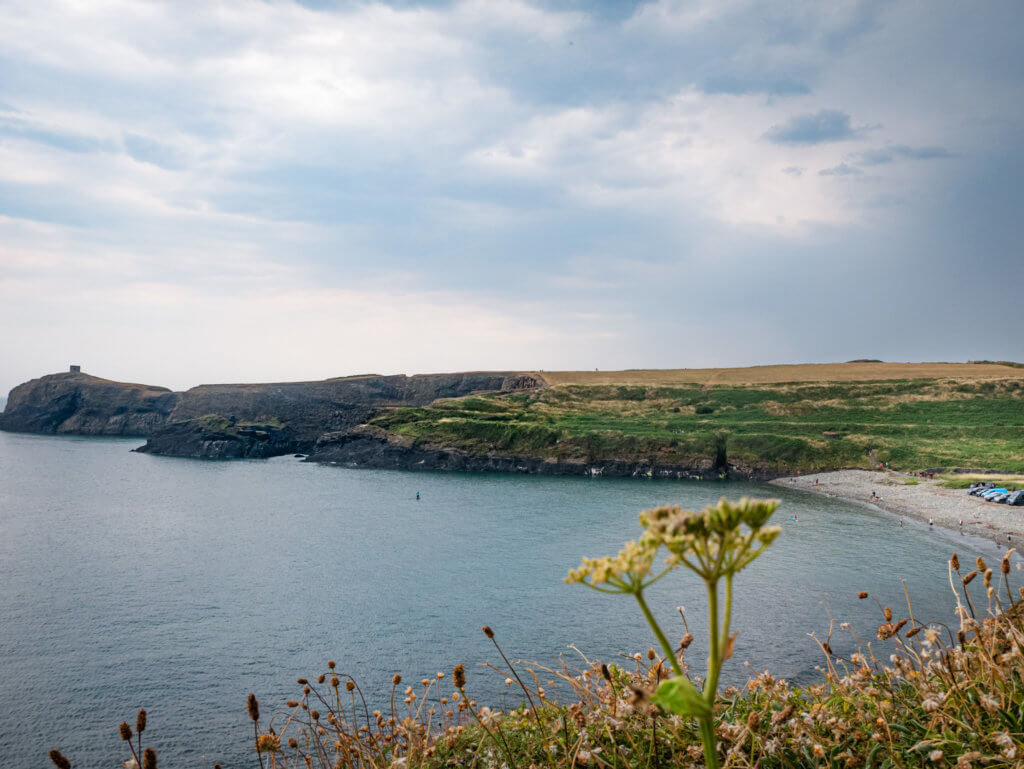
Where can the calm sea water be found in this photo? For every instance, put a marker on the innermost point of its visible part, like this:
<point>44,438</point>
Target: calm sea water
<point>129,580</point>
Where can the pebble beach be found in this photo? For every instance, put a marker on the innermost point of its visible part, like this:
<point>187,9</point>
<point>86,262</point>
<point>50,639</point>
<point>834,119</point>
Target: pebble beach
<point>926,499</point>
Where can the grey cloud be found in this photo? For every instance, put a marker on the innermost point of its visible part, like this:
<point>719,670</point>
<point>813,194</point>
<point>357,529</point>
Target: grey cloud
<point>744,84</point>
<point>883,155</point>
<point>840,170</point>
<point>793,171</point>
<point>827,125</point>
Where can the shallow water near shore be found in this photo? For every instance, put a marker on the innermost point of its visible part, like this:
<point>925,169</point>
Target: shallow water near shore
<point>130,580</point>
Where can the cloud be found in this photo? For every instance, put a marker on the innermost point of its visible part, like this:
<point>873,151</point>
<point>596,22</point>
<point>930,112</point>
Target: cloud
<point>843,169</point>
<point>547,160</point>
<point>827,125</point>
<point>885,155</point>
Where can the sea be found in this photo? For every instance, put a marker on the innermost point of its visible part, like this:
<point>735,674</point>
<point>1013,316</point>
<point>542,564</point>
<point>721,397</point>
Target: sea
<point>129,580</point>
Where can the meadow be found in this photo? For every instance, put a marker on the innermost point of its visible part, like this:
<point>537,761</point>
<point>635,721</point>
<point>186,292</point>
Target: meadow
<point>760,428</point>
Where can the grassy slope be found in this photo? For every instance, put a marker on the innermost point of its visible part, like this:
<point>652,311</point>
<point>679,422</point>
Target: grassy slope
<point>775,427</point>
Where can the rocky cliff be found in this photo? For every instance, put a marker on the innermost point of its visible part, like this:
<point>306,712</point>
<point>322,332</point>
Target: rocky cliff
<point>86,405</point>
<point>230,421</point>
<point>261,420</point>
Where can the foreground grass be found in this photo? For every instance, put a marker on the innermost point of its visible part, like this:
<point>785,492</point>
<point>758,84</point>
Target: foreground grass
<point>769,429</point>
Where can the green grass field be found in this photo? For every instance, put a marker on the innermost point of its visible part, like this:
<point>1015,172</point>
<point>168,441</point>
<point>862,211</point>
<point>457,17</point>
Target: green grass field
<point>777,428</point>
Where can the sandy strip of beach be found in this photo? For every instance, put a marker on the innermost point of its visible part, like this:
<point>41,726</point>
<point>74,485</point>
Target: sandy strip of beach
<point>926,499</point>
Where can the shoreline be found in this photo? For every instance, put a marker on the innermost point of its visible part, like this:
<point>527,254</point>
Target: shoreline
<point>922,501</point>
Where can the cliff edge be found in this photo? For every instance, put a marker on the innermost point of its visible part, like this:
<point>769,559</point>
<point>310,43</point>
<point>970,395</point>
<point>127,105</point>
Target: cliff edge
<point>81,404</point>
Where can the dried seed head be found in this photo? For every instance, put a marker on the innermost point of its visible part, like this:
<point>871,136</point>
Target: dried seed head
<point>827,647</point>
<point>149,759</point>
<point>350,685</point>
<point>687,640</point>
<point>331,664</point>
<point>315,714</point>
<point>291,704</point>
<point>292,742</point>
<point>302,681</point>
<point>253,707</point>
<point>1004,567</point>
<point>58,760</point>
<point>335,681</point>
<point>901,623</point>
<point>967,579</point>
<point>1020,590</point>
<point>914,631</point>
<point>988,577</point>
<point>954,561</point>
<point>322,678</point>
<point>396,679</point>
<point>980,563</point>
<point>126,731</point>
<point>862,594</point>
<point>753,720</point>
<point>651,655</point>
<point>605,672</point>
<point>140,721</point>
<point>487,631</point>
<point>459,676</point>
<point>961,637</point>
<point>887,613</point>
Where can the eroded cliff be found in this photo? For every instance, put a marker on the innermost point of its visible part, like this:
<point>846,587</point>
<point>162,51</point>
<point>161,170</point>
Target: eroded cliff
<point>77,403</point>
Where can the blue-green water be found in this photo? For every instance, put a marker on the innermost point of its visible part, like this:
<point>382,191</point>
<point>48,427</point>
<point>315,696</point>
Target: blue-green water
<point>129,580</point>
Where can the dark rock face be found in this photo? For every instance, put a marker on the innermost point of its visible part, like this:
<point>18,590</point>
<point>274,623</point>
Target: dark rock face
<point>207,439</point>
<point>86,405</point>
<point>369,446</point>
<point>302,411</point>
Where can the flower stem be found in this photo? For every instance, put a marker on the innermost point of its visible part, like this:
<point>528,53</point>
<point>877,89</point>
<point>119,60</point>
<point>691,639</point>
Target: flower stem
<point>656,628</point>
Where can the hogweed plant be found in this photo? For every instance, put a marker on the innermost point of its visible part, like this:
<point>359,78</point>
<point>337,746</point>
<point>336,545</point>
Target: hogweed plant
<point>715,544</point>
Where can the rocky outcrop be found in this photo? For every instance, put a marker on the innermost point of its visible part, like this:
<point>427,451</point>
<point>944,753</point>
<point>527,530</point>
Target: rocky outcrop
<point>231,421</point>
<point>213,437</point>
<point>81,404</point>
<point>302,411</point>
<point>369,446</point>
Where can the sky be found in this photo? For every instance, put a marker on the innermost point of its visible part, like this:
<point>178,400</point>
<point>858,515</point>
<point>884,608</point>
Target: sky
<point>266,190</point>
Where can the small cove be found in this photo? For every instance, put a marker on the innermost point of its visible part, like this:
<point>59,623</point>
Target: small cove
<point>129,580</point>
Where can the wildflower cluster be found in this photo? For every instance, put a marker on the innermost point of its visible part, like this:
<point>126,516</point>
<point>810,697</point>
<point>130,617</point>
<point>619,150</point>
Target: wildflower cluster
<point>716,544</point>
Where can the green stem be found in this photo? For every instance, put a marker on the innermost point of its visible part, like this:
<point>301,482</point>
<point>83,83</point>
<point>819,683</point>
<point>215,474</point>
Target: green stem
<point>666,647</point>
<point>711,684</point>
<point>707,737</point>
<point>707,726</point>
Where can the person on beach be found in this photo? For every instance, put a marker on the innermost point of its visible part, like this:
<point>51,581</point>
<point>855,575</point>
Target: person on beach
<point>901,521</point>
<point>931,522</point>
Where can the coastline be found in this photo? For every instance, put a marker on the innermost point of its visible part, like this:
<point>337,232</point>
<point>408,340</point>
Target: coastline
<point>921,501</point>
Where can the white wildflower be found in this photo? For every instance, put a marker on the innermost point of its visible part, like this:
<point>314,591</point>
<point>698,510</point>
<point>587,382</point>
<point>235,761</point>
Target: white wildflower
<point>935,755</point>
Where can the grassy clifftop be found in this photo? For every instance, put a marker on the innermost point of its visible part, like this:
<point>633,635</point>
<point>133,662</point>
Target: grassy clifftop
<point>769,428</point>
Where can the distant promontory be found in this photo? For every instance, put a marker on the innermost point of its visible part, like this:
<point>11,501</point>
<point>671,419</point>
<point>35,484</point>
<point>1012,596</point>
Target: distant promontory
<point>758,423</point>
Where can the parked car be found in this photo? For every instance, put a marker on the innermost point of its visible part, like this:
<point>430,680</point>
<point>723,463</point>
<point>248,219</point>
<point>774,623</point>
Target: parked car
<point>998,498</point>
<point>993,492</point>
<point>1015,497</point>
<point>977,489</point>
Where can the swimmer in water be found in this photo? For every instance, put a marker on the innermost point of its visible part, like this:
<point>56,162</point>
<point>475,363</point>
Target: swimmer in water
<point>417,495</point>
<point>794,518</point>
<point>901,521</point>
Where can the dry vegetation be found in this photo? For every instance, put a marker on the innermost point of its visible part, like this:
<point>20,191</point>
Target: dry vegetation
<point>807,372</point>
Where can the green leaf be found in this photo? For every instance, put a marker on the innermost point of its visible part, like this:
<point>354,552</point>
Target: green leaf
<point>677,695</point>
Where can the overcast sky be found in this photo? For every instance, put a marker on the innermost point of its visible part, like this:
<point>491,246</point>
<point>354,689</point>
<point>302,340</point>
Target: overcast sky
<point>248,191</point>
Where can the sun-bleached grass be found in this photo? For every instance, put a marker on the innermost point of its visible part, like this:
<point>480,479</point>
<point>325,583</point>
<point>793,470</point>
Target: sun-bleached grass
<point>806,372</point>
